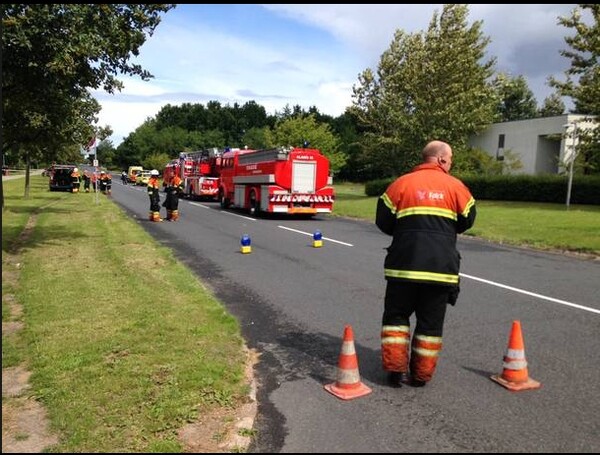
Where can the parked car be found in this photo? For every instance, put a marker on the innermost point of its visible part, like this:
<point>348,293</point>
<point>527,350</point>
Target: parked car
<point>132,173</point>
<point>60,177</point>
<point>142,178</point>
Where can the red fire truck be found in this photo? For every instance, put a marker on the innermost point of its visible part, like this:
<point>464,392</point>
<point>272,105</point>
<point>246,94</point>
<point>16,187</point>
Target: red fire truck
<point>282,180</point>
<point>198,171</point>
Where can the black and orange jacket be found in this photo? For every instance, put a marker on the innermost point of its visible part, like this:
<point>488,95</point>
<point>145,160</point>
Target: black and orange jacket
<point>153,186</point>
<point>424,210</point>
<point>177,183</point>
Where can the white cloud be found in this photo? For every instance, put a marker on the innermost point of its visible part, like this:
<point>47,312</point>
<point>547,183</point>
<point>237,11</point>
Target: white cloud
<point>309,55</point>
<point>124,118</point>
<point>366,28</point>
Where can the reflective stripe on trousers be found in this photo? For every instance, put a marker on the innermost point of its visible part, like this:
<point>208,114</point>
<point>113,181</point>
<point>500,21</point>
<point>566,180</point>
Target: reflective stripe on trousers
<point>424,356</point>
<point>394,347</point>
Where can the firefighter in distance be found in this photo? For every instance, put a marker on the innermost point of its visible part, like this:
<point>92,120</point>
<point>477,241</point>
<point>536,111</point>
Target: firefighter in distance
<point>174,190</point>
<point>153,188</point>
<point>75,180</point>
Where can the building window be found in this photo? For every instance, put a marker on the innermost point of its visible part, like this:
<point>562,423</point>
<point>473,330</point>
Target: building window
<point>500,149</point>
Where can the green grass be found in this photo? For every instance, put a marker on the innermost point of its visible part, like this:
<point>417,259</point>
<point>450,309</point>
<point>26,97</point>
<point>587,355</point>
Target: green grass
<point>539,225</point>
<point>124,343</point>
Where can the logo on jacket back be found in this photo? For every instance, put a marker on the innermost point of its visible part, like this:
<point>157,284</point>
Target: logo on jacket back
<point>431,195</point>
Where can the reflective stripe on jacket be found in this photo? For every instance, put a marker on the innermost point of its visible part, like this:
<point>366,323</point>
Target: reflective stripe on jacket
<point>423,211</point>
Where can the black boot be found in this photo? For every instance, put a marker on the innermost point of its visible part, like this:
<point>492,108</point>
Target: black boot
<point>396,379</point>
<point>411,381</point>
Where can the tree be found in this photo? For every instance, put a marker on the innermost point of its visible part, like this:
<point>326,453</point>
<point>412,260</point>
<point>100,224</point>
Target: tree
<point>582,82</point>
<point>516,100</point>
<point>431,85</point>
<point>584,53</point>
<point>105,152</point>
<point>553,105</point>
<point>296,131</point>
<point>156,161</point>
<point>479,162</point>
<point>53,53</point>
<point>257,138</point>
<point>346,127</point>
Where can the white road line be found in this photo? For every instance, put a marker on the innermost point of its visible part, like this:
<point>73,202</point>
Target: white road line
<point>223,211</point>
<point>309,234</point>
<point>533,294</point>
<point>239,216</point>
<point>200,205</point>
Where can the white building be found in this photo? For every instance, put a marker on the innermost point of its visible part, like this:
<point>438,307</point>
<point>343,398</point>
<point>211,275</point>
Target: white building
<point>543,145</point>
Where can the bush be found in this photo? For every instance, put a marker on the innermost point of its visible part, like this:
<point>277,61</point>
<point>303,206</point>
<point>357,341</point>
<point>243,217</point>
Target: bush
<point>377,187</point>
<point>545,188</point>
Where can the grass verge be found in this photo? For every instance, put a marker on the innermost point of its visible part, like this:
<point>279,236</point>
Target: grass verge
<point>538,225</point>
<point>125,344</point>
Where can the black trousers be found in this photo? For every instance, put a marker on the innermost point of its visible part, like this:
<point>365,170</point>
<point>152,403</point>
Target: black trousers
<point>172,200</point>
<point>155,202</point>
<point>427,301</point>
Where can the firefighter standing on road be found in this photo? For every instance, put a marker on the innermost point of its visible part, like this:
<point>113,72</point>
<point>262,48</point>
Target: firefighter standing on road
<point>423,211</point>
<point>174,189</point>
<point>153,188</point>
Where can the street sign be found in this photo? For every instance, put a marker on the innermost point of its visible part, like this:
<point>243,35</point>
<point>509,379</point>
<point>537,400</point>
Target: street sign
<point>95,163</point>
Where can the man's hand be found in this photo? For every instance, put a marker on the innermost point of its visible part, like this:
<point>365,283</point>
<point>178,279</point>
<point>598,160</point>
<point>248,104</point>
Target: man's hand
<point>453,295</point>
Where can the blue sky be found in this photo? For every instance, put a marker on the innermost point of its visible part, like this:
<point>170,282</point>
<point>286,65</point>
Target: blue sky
<point>280,55</point>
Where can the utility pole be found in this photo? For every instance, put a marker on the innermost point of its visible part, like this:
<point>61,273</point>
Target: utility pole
<point>571,163</point>
<point>96,166</point>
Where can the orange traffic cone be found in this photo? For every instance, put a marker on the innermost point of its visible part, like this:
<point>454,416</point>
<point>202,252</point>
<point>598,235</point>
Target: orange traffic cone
<point>514,374</point>
<point>348,384</point>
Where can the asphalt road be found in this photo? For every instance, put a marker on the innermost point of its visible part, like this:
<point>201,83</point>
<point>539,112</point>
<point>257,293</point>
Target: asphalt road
<point>293,301</point>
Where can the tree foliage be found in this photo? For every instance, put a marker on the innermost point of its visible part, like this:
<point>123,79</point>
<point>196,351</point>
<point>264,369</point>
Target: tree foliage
<point>431,85</point>
<point>516,100</point>
<point>257,138</point>
<point>190,127</point>
<point>52,55</point>
<point>553,105</point>
<point>582,82</point>
<point>156,161</point>
<point>346,128</point>
<point>302,131</point>
<point>231,121</point>
<point>479,162</point>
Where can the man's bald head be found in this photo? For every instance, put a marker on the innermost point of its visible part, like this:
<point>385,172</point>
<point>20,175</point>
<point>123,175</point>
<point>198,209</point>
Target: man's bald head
<point>438,152</point>
<point>434,149</point>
